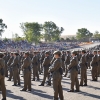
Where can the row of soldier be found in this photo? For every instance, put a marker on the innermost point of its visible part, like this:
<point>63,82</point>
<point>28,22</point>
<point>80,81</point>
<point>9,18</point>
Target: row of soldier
<point>39,62</point>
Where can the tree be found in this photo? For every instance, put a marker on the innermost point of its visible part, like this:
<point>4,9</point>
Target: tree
<point>51,31</point>
<point>32,31</point>
<point>16,37</point>
<point>83,33</point>
<point>5,39</point>
<point>68,39</point>
<point>73,39</point>
<point>62,39</point>
<point>96,35</point>
<point>2,27</point>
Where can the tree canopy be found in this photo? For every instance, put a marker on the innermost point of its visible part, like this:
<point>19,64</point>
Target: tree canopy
<point>96,35</point>
<point>32,31</point>
<point>83,33</point>
<point>2,27</point>
<point>51,31</point>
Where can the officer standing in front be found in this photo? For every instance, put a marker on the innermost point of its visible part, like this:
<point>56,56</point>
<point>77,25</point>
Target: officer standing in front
<point>57,76</point>
<point>2,76</point>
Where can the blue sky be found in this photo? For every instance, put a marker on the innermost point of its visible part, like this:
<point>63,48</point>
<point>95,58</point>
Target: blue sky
<point>70,14</point>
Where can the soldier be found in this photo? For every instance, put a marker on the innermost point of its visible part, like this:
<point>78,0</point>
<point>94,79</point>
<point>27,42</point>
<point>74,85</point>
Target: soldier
<point>2,77</point>
<point>57,76</point>
<point>22,59</point>
<point>98,63</point>
<point>14,66</point>
<point>74,72</point>
<point>19,64</point>
<point>63,60</point>
<point>10,69</point>
<point>83,68</point>
<point>27,72</point>
<point>67,62</point>
<point>94,64</point>
<point>38,57</point>
<point>88,60</point>
<point>79,55</point>
<point>41,61</point>
<point>50,74</point>
<point>46,65</point>
<point>35,66</point>
<point>6,69</point>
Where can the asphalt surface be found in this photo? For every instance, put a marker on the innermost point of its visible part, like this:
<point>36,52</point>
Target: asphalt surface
<point>86,46</point>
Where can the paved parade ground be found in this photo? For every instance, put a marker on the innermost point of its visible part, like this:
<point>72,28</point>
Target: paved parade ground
<point>90,92</point>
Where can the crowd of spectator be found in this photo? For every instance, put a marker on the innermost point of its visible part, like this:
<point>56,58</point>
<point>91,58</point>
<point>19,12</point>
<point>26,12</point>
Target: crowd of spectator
<point>24,45</point>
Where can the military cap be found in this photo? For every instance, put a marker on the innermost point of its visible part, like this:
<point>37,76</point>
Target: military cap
<point>27,53</point>
<point>47,52</point>
<point>16,53</point>
<point>57,53</point>
<point>1,54</point>
<point>95,51</point>
<point>68,51</point>
<point>35,51</point>
<point>74,52</point>
<point>83,51</point>
<point>62,51</point>
<point>98,50</point>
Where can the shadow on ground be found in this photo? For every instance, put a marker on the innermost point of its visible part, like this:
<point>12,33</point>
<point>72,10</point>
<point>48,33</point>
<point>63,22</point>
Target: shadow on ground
<point>12,96</point>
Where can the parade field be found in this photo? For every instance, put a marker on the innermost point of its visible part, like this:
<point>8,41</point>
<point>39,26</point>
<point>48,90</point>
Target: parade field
<point>90,92</point>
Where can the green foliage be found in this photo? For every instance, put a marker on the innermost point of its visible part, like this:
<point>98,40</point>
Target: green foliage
<point>2,27</point>
<point>83,33</point>
<point>62,39</point>
<point>68,39</point>
<point>5,39</point>
<point>17,37</point>
<point>51,31</point>
<point>32,31</point>
<point>96,35</point>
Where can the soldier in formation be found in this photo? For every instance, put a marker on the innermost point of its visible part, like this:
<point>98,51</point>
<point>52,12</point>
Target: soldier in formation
<point>2,77</point>
<point>57,76</point>
<point>26,67</point>
<point>72,67</point>
<point>47,63</point>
